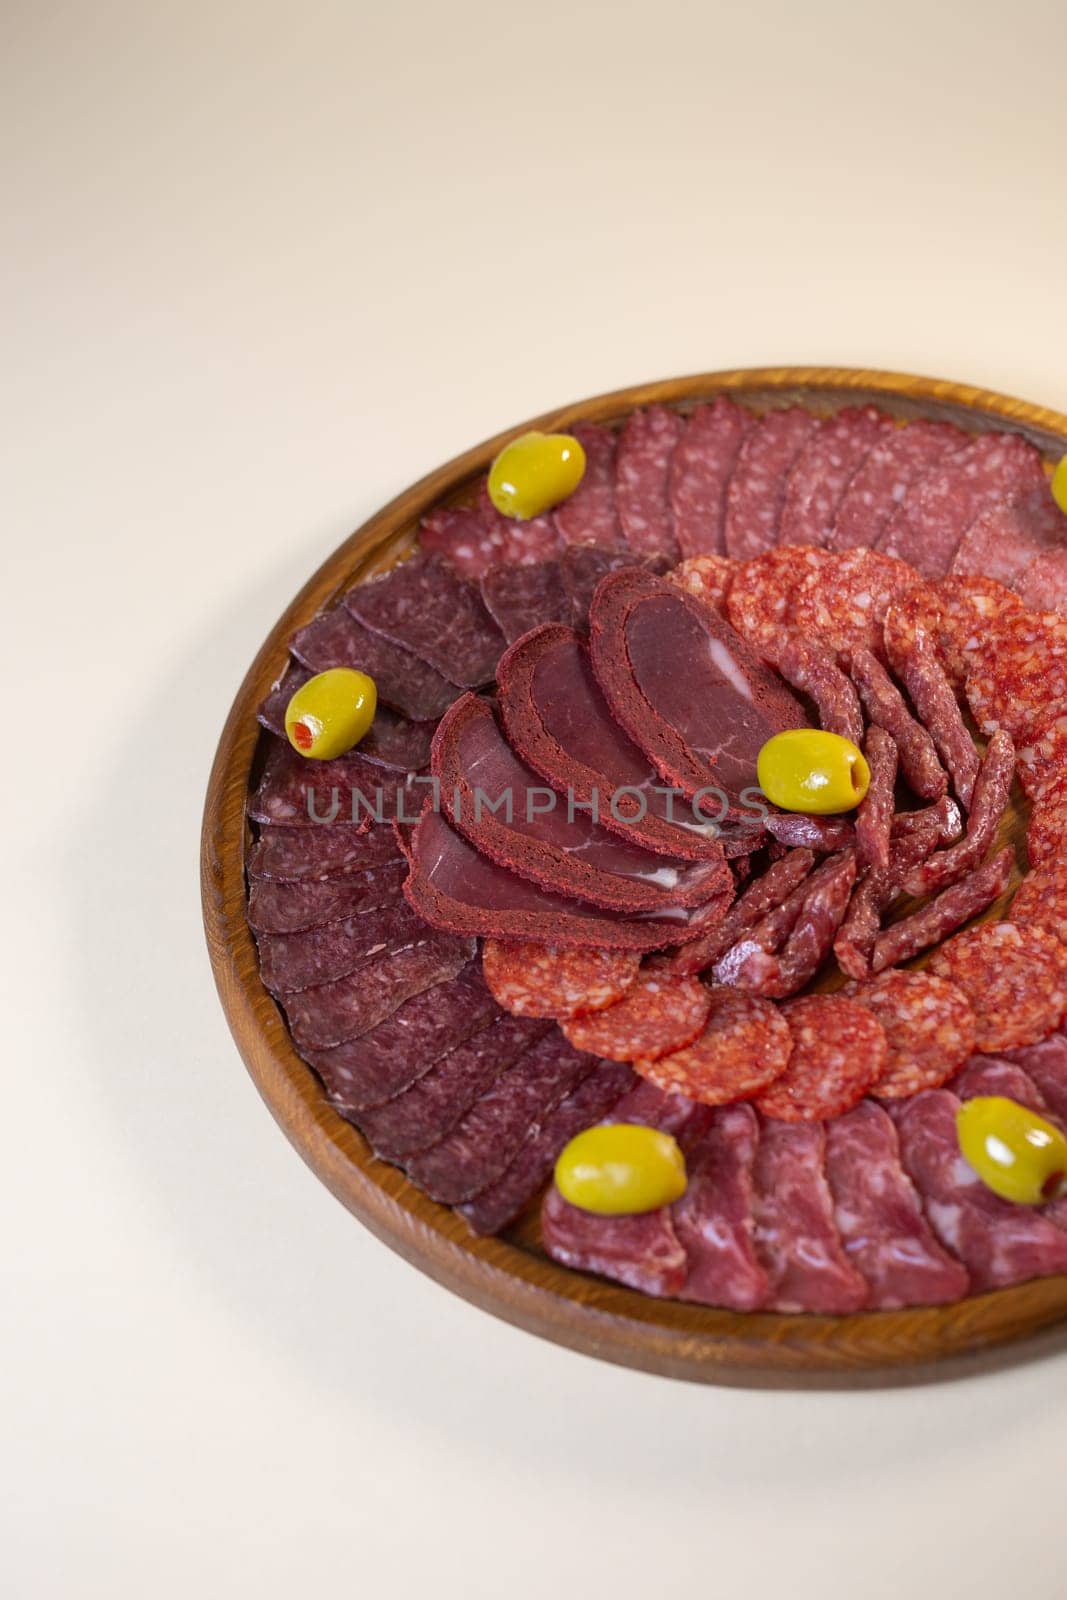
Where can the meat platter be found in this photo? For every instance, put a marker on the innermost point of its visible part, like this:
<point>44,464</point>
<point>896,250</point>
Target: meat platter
<point>809,1002</point>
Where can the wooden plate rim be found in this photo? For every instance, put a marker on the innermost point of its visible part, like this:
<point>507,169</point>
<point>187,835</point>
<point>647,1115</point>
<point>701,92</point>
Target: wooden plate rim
<point>573,1309</point>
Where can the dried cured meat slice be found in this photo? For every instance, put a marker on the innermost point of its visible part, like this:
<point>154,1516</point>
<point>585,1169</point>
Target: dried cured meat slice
<point>642,473</point>
<point>1014,977</point>
<point>1043,763</point>
<point>708,577</point>
<point>427,607</point>
<point>1046,831</point>
<point>745,1045</point>
<point>879,486</point>
<point>280,907</point>
<point>929,1027</point>
<point>796,1237</point>
<point>944,815</point>
<point>921,673</point>
<point>944,914</point>
<point>761,896</point>
<point>590,515</point>
<point>823,470</point>
<point>992,790</point>
<point>814,672</point>
<point>713,1220</point>
<point>758,966</point>
<point>756,491</point>
<point>304,855</point>
<point>333,1013</point>
<point>291,961</point>
<point>1010,533</point>
<point>998,1243</point>
<point>295,792</point>
<point>583,565</point>
<point>990,1075</point>
<point>271,712</point>
<point>855,939</point>
<point>540,980</point>
<point>844,605</point>
<point>1041,899</point>
<point>659,1012</point>
<point>1046,1065</point>
<point>642,1251</point>
<point>919,761</point>
<point>957,613</point>
<point>759,604</point>
<point>521,598</point>
<point>799,831</point>
<point>1021,681</point>
<point>409,685</point>
<point>874,815</point>
<point>839,1051</point>
<point>701,467</point>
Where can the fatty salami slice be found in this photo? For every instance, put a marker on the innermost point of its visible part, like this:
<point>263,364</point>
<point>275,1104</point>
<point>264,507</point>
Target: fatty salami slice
<point>1041,899</point>
<point>1020,683</point>
<point>796,1237</point>
<point>521,598</point>
<point>839,1051</point>
<point>756,492</point>
<point>879,486</point>
<point>558,720</point>
<point>880,1219</point>
<point>937,510</point>
<point>822,472</point>
<point>957,613</point>
<point>471,537</point>
<point>290,961</point>
<point>335,639</point>
<point>998,1243</point>
<point>844,604</point>
<point>279,907</point>
<point>590,515</point>
<point>539,980</point>
<point>1015,979</point>
<point>642,473</point>
<point>1011,532</point>
<point>714,1218</point>
<point>487,1138</point>
<point>929,1027</point>
<point>1043,581</point>
<point>762,592</point>
<point>393,1056</point>
<point>658,1013</point>
<point>1042,764</point>
<point>593,1098</point>
<point>701,467</point>
<point>498,804</point>
<point>427,1109</point>
<point>583,565</point>
<point>296,792</point>
<point>426,606</point>
<point>641,1251</point>
<point>744,1046</point>
<point>708,577</point>
<point>336,1012</point>
<point>687,689</point>
<point>313,855</point>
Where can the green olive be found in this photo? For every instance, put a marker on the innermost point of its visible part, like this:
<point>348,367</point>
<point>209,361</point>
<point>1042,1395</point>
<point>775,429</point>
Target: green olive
<point>619,1168</point>
<point>1015,1152</point>
<point>534,473</point>
<point>1059,484</point>
<point>331,713</point>
<point>806,769</point>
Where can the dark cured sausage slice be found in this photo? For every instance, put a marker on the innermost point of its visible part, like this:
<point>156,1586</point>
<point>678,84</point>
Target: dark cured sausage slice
<point>590,514</point>
<point>700,472</point>
<point>291,961</point>
<point>336,1012</point>
<point>822,471</point>
<point>796,1238</point>
<point>874,815</point>
<point>391,740</point>
<point>814,672</point>
<point>583,565</point>
<point>557,720</point>
<point>426,606</point>
<point>992,790</point>
<point>299,793</point>
<point>685,687</point>
<point>919,761</point>
<point>471,537</point>
<point>498,803</point>
<point>521,598</point>
<point>880,1219</point>
<point>756,492</point>
<point>275,907</point>
<point>408,684</point>
<point>713,1219</point>
<point>537,980</point>
<point>879,486</point>
<point>642,472</point>
<point>1007,535</point>
<point>933,697</point>
<point>310,855</point>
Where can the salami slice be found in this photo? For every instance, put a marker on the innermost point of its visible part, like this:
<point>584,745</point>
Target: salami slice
<point>762,895</point>
<point>1021,681</point>
<point>333,1013</point>
<point>308,855</point>
<point>957,613</point>
<point>944,914</point>
<point>839,1051</point>
<point>1010,533</point>
<point>1042,583</point>
<point>929,1027</point>
<point>1014,977</point>
<point>761,597</point>
<point>708,577</point>
<point>756,491</point>
<point>642,471</point>
<point>522,597</point>
<point>470,537</point>
<point>881,482</point>
<point>537,980</point>
<point>1043,763</point>
<point>992,790</point>
<point>796,1237</point>
<point>821,473</point>
<point>874,815</point>
<point>844,605</point>
<point>932,695</point>
<point>1046,831</point>
<point>1041,899</point>
<point>744,1047</point>
<point>814,672</point>
<point>886,708</point>
<point>404,682</point>
<point>641,1251</point>
<point>523,541</point>
<point>714,1218</point>
<point>280,907</point>
<point>701,467</point>
<point>426,606</point>
<point>590,515</point>
<point>658,1013</point>
<point>989,1075</point>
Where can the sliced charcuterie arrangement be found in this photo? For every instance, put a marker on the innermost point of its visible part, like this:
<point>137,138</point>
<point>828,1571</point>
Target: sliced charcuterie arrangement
<point>616,858</point>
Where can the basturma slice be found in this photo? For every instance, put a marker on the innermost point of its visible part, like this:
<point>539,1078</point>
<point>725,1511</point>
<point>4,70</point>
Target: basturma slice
<point>291,961</point>
<point>425,606</point>
<point>316,855</point>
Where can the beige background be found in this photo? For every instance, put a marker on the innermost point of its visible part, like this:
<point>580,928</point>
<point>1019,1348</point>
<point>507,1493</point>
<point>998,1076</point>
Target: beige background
<point>263,265</point>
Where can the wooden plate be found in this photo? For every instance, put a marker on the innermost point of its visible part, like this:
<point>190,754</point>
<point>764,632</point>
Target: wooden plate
<point>511,1276</point>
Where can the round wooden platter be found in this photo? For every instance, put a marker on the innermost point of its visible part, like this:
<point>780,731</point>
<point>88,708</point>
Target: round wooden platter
<point>511,1276</point>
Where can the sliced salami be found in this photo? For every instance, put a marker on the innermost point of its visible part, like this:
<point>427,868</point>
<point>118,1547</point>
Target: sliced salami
<point>756,491</point>
<point>813,671</point>
<point>537,980</point>
<point>1014,977</point>
<point>1041,899</point>
<point>336,1012</point>
<point>745,1046</point>
<point>469,536</point>
<point>590,515</point>
<point>523,541</point>
<point>708,577</point>
<point>874,815</point>
<point>989,1075</point>
<point>427,607</point>
<point>839,1051</point>
<point>957,613</point>
<point>1046,1065</point>
<point>658,1013</point>
<point>1043,763</point>
<point>886,708</point>
<point>844,605</point>
<point>279,907</point>
<point>992,790</point>
<point>306,855</point>
<point>404,681</point>
<point>1046,832</point>
<point>642,472</point>
<point>929,1026</point>
<point>714,1218</point>
<point>701,467</point>
<point>522,597</point>
<point>760,600</point>
<point>881,483</point>
<point>821,473</point>
<point>1021,681</point>
<point>796,1237</point>
<point>932,695</point>
<point>1010,533</point>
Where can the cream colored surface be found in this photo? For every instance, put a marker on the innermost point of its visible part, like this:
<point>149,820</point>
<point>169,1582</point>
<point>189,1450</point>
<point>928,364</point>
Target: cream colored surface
<point>263,265</point>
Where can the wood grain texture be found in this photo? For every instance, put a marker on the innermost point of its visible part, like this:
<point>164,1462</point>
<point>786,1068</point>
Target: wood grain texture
<point>511,1276</point>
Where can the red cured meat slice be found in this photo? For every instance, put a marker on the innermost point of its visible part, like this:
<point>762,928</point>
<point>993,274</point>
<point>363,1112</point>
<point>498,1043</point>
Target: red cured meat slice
<point>290,961</point>
<point>874,815</point>
<point>504,1200</point>
<point>762,895</point>
<point>844,604</point>
<point>336,1012</point>
<point>658,1013</point>
<point>929,1027</point>
<point>672,1113</point>
<point>756,491</point>
<point>759,604</point>
<point>839,1051</point>
<point>472,537</point>
<point>938,509</point>
<point>538,980</point>
<point>590,515</point>
<point>701,467</point>
<point>685,687</point>
<point>879,486</point>
<point>713,1219</point>
<point>880,1219</point>
<point>395,1054</point>
<point>454,888</point>
<point>823,470</point>
<point>428,1108</point>
<point>992,790</point>
<point>802,832</point>
<point>944,914</point>
<point>279,907</point>
<point>1041,900</point>
<point>796,1238</point>
<point>642,473</point>
<point>708,577</point>
<point>744,1047</point>
<point>1010,533</point>
<point>998,1243</point>
<point>944,816</point>
<point>557,720</point>
<point>306,855</point>
<point>814,672</point>
<point>583,565</point>
<point>1021,681</point>
<point>642,1251</point>
<point>521,541</point>
<point>409,685</point>
<point>427,607</point>
<point>886,708</point>
<point>1043,763</point>
<point>1046,1066</point>
<point>957,613</point>
<point>1015,979</point>
<point>1047,829</point>
<point>932,695</point>
<point>1043,582</point>
<point>498,803</point>
<point>484,1142</point>
<point>521,598</point>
